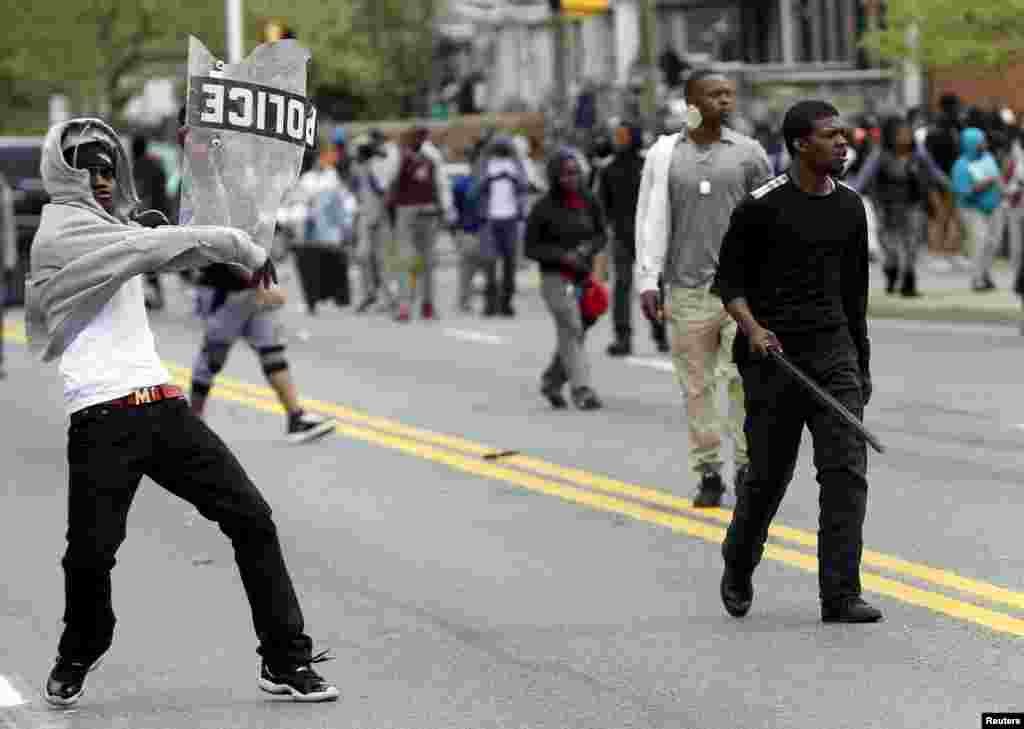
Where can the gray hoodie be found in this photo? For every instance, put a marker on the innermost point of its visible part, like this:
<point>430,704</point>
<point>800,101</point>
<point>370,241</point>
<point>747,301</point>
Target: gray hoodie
<point>81,254</point>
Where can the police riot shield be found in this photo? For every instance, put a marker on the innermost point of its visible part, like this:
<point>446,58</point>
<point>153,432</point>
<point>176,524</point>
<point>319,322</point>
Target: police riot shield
<point>249,124</point>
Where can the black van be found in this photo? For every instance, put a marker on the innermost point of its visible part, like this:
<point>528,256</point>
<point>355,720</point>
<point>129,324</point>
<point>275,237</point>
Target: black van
<point>20,158</point>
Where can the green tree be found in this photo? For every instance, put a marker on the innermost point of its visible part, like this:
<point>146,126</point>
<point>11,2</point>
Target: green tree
<point>99,53</point>
<point>380,51</point>
<point>937,33</point>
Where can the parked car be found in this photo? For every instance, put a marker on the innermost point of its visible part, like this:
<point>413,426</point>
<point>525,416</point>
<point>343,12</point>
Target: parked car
<point>20,158</point>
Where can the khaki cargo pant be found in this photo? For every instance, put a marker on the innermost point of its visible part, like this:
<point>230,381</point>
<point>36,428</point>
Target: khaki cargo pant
<point>701,334</point>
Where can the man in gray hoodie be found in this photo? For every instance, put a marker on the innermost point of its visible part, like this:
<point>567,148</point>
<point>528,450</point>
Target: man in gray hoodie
<point>85,308</point>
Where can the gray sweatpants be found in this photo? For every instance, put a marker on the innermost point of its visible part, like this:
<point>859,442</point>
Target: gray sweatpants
<point>983,233</point>
<point>372,254</point>
<point>560,297</point>
<point>416,231</point>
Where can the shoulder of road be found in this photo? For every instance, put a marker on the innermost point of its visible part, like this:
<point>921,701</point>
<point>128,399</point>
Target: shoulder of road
<point>946,295</point>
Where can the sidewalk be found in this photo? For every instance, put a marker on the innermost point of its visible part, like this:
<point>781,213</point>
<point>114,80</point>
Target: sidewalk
<point>946,296</point>
<point>945,291</point>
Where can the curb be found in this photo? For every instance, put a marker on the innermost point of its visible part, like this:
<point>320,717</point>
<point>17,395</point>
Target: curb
<point>956,305</point>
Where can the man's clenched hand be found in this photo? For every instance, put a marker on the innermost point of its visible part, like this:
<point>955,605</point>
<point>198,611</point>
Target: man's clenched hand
<point>650,302</point>
<point>266,275</point>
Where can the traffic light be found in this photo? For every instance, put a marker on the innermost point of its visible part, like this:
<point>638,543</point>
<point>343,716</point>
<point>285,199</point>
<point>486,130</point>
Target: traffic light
<point>578,8</point>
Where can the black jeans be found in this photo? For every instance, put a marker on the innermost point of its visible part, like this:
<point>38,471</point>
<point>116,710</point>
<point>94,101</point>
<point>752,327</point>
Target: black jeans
<point>622,296</point>
<point>110,449</point>
<point>777,411</point>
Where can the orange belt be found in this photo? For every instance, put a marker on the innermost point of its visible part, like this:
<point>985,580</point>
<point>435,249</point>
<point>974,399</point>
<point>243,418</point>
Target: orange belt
<point>147,395</point>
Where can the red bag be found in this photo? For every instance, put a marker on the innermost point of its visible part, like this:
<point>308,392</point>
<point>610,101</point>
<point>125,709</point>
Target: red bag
<point>593,300</point>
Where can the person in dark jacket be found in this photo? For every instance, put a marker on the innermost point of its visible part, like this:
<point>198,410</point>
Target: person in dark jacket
<point>151,183</point>
<point>619,190</point>
<point>564,231</point>
<point>896,179</point>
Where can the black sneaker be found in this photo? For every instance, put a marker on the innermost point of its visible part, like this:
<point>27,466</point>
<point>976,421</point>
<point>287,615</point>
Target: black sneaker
<point>367,303</point>
<point>620,348</point>
<point>709,493</point>
<point>850,610</point>
<point>66,682</point>
<point>737,591</point>
<point>585,398</point>
<point>554,395</point>
<point>302,683</point>
<point>303,427</point>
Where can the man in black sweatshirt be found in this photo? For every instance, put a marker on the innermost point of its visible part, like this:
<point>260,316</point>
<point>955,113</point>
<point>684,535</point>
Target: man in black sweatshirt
<point>793,273</point>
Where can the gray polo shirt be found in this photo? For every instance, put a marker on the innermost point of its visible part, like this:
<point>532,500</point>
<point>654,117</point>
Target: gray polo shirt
<point>705,184</point>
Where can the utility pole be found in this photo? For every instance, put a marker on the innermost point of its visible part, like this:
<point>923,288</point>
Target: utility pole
<point>561,50</point>
<point>233,13</point>
<point>648,63</point>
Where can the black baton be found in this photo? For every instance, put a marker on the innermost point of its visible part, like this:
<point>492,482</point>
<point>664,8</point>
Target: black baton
<point>825,399</point>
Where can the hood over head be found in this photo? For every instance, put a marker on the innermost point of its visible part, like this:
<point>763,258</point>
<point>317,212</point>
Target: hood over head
<point>554,170</point>
<point>970,139</point>
<point>68,185</point>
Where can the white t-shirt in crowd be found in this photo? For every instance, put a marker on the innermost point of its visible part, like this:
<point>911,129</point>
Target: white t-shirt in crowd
<point>114,355</point>
<point>504,199</point>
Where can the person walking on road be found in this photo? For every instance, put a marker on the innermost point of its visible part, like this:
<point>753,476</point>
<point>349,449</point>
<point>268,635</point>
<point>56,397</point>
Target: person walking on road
<point>85,308</point>
<point>692,182</point>
<point>467,238</point>
<point>421,197</point>
<point>619,191</point>
<point>977,184</point>
<point>231,308</point>
<point>897,180</point>
<point>564,232</point>
<point>375,234</point>
<point>794,275</point>
<point>503,187</point>
<point>322,257</point>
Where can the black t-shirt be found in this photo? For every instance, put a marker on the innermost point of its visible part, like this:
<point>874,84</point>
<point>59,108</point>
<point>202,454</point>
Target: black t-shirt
<point>799,260</point>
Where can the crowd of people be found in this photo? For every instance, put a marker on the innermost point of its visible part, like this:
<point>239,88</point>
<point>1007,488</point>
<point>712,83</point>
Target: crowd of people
<point>737,248</point>
<point>951,182</point>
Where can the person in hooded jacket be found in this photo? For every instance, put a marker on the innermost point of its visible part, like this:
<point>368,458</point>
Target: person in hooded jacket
<point>85,308</point>
<point>977,185</point>
<point>565,230</point>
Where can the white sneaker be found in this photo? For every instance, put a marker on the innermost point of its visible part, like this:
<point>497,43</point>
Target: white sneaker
<point>304,427</point>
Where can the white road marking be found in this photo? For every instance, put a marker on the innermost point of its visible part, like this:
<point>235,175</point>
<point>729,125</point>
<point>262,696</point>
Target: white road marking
<point>653,362</point>
<point>8,695</point>
<point>1020,425</point>
<point>471,336</point>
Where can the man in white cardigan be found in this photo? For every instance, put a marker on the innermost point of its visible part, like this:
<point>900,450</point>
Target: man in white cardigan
<point>691,183</point>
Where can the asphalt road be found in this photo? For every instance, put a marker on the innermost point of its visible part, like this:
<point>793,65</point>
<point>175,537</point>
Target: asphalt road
<point>569,584</point>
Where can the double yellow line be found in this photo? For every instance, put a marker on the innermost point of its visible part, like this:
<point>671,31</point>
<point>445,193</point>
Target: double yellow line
<point>644,504</point>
